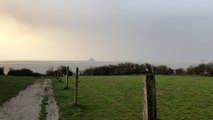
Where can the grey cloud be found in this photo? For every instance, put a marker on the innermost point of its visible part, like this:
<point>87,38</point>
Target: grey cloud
<point>134,29</point>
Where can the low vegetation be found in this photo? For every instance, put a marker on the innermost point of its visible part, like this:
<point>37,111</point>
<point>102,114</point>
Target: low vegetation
<point>120,98</point>
<point>11,85</point>
<point>135,69</point>
<point>43,111</point>
<point>1,71</point>
<point>201,69</point>
<point>61,71</point>
<point>23,72</point>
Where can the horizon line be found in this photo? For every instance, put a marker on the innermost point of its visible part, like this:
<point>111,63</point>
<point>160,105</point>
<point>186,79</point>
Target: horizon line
<point>145,61</point>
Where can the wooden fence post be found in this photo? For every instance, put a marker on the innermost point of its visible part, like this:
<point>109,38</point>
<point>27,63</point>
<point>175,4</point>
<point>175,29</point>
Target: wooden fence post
<point>67,77</point>
<point>76,88</point>
<point>150,109</point>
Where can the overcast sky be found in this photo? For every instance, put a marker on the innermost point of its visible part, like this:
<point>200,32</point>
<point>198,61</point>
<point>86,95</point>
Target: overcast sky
<point>108,30</point>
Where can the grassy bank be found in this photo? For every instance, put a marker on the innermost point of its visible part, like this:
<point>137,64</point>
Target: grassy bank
<point>43,112</point>
<point>11,85</point>
<point>120,98</point>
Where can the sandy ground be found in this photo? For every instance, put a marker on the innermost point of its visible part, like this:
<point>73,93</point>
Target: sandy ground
<point>26,105</point>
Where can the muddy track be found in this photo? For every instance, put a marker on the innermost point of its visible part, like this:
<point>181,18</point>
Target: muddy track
<point>26,105</point>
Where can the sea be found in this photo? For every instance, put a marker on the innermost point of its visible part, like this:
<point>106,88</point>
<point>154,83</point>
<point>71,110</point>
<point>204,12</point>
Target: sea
<point>43,66</point>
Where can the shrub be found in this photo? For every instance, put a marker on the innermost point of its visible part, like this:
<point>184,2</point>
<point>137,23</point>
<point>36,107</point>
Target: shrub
<point>51,72</point>
<point>62,70</point>
<point>22,72</point>
<point>37,75</point>
<point>128,69</point>
<point>1,71</point>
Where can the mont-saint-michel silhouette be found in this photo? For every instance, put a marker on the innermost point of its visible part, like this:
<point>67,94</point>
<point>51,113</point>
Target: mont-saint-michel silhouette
<point>91,59</point>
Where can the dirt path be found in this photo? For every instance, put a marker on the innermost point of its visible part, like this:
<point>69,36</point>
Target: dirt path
<point>51,107</point>
<point>26,105</point>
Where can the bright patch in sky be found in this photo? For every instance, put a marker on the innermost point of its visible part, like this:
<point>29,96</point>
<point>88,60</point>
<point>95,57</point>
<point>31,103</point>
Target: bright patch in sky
<point>108,30</point>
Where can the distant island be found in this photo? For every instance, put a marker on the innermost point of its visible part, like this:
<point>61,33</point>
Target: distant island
<point>91,59</point>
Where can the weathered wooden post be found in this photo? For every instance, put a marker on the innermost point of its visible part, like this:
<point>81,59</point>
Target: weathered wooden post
<point>76,88</point>
<point>150,109</point>
<point>67,77</point>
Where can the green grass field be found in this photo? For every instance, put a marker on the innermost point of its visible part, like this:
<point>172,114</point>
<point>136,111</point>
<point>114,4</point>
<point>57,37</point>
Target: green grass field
<point>120,98</point>
<point>10,86</point>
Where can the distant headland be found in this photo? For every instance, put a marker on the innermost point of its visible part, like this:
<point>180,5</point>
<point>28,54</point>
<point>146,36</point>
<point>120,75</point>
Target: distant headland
<point>91,59</point>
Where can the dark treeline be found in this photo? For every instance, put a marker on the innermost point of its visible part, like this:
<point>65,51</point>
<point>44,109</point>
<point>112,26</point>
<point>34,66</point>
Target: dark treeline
<point>1,71</point>
<point>128,69</point>
<point>120,69</point>
<point>201,69</point>
<point>61,71</point>
<point>132,68</point>
<point>23,72</point>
